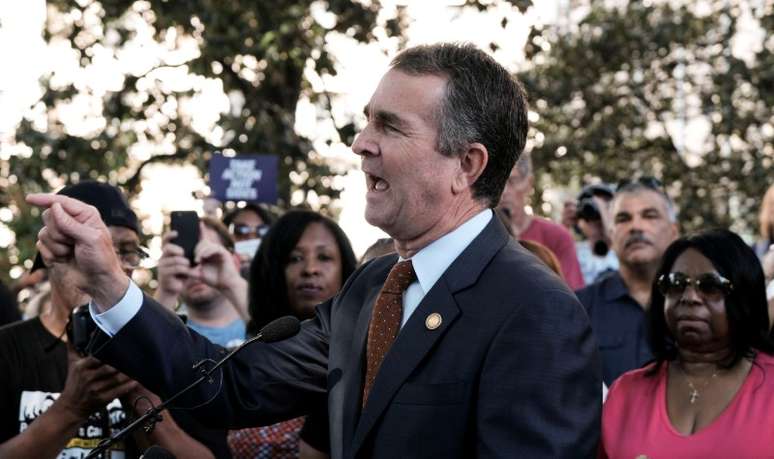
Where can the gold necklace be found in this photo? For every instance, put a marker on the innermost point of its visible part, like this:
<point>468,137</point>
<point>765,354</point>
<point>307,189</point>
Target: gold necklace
<point>694,394</point>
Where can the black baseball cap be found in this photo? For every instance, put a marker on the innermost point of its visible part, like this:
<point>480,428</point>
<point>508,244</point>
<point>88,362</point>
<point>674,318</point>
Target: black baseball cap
<point>110,202</point>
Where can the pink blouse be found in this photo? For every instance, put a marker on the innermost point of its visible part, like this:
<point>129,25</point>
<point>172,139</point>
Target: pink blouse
<point>635,423</point>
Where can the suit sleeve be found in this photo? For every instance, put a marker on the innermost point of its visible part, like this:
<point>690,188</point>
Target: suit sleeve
<point>539,393</point>
<point>262,384</point>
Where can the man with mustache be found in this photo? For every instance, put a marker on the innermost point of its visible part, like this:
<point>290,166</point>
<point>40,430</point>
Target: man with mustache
<point>644,223</point>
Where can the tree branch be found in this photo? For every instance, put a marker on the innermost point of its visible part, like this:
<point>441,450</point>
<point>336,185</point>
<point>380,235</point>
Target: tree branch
<point>133,182</point>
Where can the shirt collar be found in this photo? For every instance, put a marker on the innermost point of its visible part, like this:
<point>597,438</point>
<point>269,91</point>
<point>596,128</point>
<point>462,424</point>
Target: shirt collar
<point>432,261</point>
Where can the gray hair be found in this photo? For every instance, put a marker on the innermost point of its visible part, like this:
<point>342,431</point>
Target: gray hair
<point>637,187</point>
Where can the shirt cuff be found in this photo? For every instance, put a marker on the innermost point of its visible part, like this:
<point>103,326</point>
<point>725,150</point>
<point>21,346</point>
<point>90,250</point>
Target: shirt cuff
<point>114,319</point>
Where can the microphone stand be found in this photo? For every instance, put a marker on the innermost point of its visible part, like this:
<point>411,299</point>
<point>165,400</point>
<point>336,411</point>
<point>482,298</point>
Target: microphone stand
<point>152,416</point>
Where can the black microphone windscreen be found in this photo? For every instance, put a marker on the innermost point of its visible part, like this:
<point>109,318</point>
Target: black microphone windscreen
<point>280,329</point>
<point>157,452</point>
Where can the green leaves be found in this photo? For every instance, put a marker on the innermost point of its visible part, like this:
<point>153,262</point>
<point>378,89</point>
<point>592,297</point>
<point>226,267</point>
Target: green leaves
<point>613,93</point>
<point>257,50</point>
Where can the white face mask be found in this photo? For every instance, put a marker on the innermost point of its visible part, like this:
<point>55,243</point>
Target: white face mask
<point>247,248</point>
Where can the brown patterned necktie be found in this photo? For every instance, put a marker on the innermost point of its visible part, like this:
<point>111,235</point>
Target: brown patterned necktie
<point>385,320</point>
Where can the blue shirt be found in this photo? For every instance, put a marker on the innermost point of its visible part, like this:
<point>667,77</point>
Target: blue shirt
<point>593,266</point>
<point>229,336</point>
<point>619,324</point>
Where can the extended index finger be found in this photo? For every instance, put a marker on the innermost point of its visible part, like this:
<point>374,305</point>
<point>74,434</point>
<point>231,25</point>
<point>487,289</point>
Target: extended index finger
<point>70,205</point>
<point>70,216</point>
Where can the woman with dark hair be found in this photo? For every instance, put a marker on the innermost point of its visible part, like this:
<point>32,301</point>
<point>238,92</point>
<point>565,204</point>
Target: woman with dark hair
<point>303,261</point>
<point>710,390</point>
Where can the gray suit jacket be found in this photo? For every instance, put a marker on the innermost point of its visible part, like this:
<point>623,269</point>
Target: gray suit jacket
<point>512,371</point>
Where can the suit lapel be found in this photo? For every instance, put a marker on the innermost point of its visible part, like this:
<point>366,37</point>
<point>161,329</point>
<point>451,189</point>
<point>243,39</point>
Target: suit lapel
<point>412,344</point>
<point>415,340</point>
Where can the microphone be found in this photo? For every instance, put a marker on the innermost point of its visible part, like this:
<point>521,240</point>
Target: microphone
<point>157,452</point>
<point>279,329</point>
<point>600,248</point>
<point>276,330</point>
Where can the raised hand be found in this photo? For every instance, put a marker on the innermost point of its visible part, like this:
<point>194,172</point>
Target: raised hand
<point>217,267</point>
<point>74,234</point>
<point>174,270</point>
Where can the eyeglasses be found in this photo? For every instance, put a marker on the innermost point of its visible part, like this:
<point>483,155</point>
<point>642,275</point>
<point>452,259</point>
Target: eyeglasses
<point>647,181</point>
<point>131,258</point>
<point>710,285</point>
<point>241,229</point>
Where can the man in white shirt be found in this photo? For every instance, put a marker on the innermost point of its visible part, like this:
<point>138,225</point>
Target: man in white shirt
<point>464,346</point>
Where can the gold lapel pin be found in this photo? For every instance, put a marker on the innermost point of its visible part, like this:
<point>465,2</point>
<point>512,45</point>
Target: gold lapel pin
<point>433,321</point>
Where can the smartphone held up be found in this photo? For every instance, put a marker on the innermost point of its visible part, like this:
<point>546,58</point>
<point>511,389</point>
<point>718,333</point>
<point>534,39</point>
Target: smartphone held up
<point>186,224</point>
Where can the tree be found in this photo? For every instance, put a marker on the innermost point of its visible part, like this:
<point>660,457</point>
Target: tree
<point>158,56</point>
<point>612,96</point>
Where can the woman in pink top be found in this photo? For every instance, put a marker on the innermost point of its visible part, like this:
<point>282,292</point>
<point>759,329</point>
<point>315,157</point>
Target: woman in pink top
<point>710,391</point>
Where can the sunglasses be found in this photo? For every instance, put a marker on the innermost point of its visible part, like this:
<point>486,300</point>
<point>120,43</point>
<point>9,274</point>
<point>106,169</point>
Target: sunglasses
<point>647,181</point>
<point>709,285</point>
<point>240,229</point>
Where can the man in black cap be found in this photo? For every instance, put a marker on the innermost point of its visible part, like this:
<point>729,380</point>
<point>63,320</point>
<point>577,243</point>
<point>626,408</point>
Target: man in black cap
<point>54,402</point>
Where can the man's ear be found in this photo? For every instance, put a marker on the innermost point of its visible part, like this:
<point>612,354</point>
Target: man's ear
<point>472,163</point>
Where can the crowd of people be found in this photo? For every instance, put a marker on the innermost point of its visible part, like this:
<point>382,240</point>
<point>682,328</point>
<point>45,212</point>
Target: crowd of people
<point>478,329</point>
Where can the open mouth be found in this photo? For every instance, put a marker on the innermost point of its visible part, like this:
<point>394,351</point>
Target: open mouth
<point>376,183</point>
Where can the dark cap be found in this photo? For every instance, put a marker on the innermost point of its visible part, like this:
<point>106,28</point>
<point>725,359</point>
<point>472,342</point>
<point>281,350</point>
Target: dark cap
<point>110,202</point>
<point>597,189</point>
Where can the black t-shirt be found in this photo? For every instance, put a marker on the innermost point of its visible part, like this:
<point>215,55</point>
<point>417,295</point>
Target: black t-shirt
<point>33,365</point>
<point>9,309</point>
<point>33,371</point>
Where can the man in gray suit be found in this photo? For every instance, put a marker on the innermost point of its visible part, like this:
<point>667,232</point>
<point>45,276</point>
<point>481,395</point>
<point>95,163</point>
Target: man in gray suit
<point>464,345</point>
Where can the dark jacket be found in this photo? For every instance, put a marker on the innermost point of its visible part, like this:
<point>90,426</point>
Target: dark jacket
<point>512,371</point>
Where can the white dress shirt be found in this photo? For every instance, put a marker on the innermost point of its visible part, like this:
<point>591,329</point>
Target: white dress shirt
<point>429,264</point>
<point>432,261</point>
